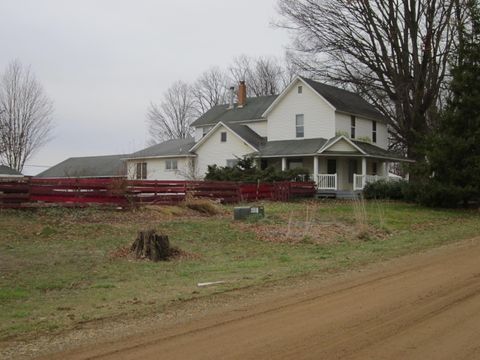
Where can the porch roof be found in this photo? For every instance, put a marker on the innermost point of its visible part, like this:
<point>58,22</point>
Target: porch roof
<point>311,147</point>
<point>291,147</point>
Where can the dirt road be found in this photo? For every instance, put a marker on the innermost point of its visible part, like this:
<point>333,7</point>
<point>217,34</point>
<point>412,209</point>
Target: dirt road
<point>425,306</point>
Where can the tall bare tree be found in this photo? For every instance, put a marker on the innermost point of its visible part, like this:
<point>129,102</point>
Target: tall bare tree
<point>209,89</point>
<point>171,118</point>
<point>394,52</point>
<point>25,116</point>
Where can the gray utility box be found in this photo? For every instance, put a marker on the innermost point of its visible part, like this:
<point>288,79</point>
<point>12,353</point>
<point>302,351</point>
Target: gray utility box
<point>243,212</point>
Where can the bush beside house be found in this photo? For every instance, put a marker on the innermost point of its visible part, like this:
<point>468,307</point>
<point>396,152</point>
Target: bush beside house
<point>246,171</point>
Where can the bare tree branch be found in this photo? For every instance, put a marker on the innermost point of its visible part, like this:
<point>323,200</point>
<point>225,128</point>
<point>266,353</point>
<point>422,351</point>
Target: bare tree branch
<point>263,75</point>
<point>209,90</point>
<point>171,118</point>
<point>395,53</point>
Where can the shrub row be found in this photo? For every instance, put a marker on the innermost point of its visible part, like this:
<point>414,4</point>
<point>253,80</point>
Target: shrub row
<point>245,171</point>
<point>428,193</point>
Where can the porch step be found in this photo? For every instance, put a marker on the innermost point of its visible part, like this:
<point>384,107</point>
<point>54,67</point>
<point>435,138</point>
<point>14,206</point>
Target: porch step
<point>338,194</point>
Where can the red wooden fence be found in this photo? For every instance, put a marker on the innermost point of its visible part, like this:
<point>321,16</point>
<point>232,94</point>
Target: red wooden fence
<point>32,192</point>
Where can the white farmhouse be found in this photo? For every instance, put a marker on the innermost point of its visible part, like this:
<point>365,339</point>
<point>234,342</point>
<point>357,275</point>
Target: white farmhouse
<point>335,133</point>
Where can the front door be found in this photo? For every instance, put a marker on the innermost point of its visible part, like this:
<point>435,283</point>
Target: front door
<point>352,169</point>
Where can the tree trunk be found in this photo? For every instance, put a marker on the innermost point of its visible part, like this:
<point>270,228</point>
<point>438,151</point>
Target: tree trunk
<point>149,245</point>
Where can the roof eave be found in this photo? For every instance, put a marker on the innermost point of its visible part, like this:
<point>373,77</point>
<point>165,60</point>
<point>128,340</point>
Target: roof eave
<point>157,157</point>
<point>288,88</point>
<point>209,134</point>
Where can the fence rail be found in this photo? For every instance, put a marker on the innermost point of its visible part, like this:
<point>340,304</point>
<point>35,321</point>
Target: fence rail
<point>31,192</point>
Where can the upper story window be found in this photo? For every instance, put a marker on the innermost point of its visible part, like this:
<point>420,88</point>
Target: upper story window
<point>300,89</point>
<point>205,130</point>
<point>223,136</point>
<point>353,121</point>
<point>299,129</point>
<point>141,173</point>
<point>374,131</point>
<point>171,164</point>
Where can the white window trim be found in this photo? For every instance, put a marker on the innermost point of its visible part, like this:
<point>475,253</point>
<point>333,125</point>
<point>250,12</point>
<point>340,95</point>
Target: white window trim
<point>171,163</point>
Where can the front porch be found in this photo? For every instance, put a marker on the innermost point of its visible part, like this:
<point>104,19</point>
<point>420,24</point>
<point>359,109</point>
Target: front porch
<point>336,175</point>
<point>339,166</point>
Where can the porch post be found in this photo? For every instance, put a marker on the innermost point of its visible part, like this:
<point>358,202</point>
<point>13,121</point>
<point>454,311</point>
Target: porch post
<point>385,169</point>
<point>364,172</point>
<point>284,164</point>
<point>364,166</point>
<point>315,169</point>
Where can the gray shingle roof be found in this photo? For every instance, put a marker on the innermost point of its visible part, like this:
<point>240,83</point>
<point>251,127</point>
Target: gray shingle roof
<point>345,101</point>
<point>253,110</point>
<point>176,147</point>
<point>374,150</point>
<point>311,147</point>
<point>89,166</point>
<point>248,135</point>
<point>6,170</point>
<point>292,147</point>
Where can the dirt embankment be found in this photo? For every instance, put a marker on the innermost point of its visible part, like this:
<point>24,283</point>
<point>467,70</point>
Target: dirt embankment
<point>425,306</point>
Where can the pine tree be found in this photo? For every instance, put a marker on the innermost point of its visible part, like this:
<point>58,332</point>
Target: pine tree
<point>454,150</point>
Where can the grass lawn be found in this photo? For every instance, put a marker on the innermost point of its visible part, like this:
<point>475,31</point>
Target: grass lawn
<point>57,268</point>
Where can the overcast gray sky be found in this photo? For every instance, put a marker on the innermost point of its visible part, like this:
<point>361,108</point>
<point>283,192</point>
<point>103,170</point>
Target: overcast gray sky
<point>103,61</point>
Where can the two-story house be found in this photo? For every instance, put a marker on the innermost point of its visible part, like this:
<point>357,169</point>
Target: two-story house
<point>337,135</point>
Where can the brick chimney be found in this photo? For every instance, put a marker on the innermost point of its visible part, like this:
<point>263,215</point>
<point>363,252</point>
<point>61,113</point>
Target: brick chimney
<point>242,94</point>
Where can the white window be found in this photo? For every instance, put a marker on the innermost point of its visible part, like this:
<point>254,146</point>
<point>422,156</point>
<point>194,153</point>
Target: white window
<point>171,164</point>
<point>232,162</point>
<point>374,131</point>
<point>299,130</point>
<point>300,89</point>
<point>205,130</point>
<point>141,171</point>
<point>223,136</point>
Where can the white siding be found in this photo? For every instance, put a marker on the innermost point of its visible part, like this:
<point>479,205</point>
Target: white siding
<point>199,131</point>
<point>342,146</point>
<point>213,151</point>
<point>260,127</point>
<point>156,169</point>
<point>363,129</point>
<point>319,116</point>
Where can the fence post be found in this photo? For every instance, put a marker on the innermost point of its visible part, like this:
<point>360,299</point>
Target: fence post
<point>185,189</point>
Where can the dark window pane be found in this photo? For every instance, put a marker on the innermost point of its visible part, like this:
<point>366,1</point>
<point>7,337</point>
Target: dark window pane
<point>331,166</point>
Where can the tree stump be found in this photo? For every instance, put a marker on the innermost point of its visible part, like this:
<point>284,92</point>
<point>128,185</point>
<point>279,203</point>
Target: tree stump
<point>149,245</point>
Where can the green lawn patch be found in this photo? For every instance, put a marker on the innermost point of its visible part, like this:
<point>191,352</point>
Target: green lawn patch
<point>57,267</point>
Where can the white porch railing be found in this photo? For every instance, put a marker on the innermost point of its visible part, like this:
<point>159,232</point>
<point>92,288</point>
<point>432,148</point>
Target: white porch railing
<point>359,181</point>
<point>327,182</point>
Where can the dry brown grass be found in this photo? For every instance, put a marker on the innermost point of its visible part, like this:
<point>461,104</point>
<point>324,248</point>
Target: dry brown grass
<point>203,206</point>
